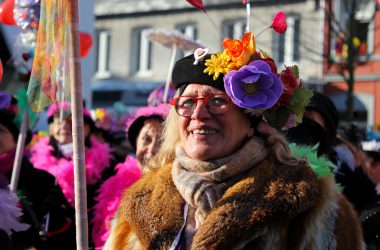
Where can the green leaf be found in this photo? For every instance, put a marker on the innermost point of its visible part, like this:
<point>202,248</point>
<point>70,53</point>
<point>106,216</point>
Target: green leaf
<point>277,118</point>
<point>297,103</point>
<point>296,71</point>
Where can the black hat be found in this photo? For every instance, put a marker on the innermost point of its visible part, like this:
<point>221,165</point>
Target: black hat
<point>323,105</point>
<point>134,129</point>
<point>185,72</point>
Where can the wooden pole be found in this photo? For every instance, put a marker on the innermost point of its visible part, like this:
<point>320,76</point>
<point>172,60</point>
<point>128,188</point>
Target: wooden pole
<point>19,152</point>
<point>169,76</point>
<point>78,132</point>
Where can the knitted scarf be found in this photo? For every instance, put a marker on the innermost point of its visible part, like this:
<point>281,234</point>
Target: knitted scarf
<point>202,183</point>
<point>97,159</point>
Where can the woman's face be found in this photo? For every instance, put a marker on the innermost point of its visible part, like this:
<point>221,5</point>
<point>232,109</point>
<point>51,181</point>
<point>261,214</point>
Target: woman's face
<point>207,137</point>
<point>7,141</point>
<point>62,132</point>
<point>148,140</point>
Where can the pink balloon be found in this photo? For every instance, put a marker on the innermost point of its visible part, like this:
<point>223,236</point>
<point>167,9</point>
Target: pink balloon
<point>6,12</point>
<point>197,3</point>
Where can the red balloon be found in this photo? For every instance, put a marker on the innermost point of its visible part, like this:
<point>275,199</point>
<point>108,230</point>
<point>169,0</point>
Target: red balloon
<point>1,71</point>
<point>85,43</point>
<point>6,12</point>
<point>197,3</point>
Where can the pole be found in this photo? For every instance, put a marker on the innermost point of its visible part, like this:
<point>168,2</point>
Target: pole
<point>19,152</point>
<point>248,9</point>
<point>169,76</point>
<point>78,132</point>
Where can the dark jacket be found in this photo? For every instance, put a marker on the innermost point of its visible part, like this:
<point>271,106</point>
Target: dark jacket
<point>40,198</point>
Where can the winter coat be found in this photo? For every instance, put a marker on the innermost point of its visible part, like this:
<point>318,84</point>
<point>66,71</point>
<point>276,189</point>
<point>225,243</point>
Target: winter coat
<point>272,207</point>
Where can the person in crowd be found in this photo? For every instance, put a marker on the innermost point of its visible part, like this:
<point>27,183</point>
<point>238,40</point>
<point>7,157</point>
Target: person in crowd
<point>370,216</point>
<point>43,205</point>
<point>54,154</point>
<point>223,177</point>
<point>144,135</point>
<point>352,173</point>
<point>10,215</point>
<point>319,127</point>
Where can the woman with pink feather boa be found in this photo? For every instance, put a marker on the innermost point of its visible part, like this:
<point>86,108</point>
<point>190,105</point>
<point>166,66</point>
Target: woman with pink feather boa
<point>144,135</point>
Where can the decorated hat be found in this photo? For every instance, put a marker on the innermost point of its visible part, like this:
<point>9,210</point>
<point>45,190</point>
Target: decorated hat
<point>65,106</point>
<point>7,114</point>
<point>250,78</point>
<point>135,122</point>
<point>156,97</point>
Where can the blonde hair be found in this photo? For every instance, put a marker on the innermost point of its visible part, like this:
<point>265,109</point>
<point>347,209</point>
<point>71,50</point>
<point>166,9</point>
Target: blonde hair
<point>279,148</point>
<point>170,140</point>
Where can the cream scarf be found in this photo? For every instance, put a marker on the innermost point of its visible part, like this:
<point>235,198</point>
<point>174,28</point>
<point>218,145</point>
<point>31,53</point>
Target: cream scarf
<point>202,183</point>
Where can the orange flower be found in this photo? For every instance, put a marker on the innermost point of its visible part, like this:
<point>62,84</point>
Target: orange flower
<point>240,52</point>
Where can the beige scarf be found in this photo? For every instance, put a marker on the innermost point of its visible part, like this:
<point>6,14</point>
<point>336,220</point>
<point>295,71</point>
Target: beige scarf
<point>202,183</point>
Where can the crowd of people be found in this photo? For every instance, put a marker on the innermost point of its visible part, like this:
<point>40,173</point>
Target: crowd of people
<point>210,170</point>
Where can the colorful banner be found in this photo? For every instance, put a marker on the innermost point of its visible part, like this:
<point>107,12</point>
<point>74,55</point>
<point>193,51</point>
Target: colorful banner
<point>50,77</point>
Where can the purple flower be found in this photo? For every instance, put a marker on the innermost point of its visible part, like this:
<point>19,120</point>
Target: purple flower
<point>253,86</point>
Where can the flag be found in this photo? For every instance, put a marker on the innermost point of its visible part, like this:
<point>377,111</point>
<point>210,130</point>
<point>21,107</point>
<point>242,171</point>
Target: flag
<point>50,77</point>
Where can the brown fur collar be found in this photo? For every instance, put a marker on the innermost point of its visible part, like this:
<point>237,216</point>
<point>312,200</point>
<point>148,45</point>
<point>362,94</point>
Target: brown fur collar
<point>270,192</point>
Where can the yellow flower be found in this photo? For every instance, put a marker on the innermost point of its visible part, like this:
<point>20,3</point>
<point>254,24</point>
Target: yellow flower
<point>219,64</point>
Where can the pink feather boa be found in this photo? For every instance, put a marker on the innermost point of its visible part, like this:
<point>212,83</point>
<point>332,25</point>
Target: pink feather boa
<point>97,158</point>
<point>110,194</point>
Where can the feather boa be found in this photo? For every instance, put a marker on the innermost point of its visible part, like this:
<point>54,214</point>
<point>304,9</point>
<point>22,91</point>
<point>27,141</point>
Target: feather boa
<point>10,213</point>
<point>110,194</point>
<point>97,158</point>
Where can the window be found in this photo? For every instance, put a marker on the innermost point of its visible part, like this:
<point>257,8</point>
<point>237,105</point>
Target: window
<point>233,29</point>
<point>189,30</point>
<point>285,47</point>
<point>141,60</point>
<point>102,55</point>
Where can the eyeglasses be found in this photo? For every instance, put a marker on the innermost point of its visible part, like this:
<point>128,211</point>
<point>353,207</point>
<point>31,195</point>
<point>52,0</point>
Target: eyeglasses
<point>215,104</point>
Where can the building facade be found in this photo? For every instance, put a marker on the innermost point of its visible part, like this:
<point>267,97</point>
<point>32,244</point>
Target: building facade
<point>124,52</point>
<point>365,35</point>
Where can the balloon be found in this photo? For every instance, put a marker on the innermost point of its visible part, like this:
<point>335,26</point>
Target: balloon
<point>197,3</point>
<point>6,12</point>
<point>85,43</point>
<point>1,70</point>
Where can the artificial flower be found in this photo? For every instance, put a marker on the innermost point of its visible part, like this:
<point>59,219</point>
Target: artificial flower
<point>290,81</point>
<point>218,64</point>
<point>240,52</point>
<point>262,55</point>
<point>253,86</point>
<point>279,22</point>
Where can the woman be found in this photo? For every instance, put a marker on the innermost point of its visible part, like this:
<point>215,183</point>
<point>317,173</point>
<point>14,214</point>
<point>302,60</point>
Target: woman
<point>54,154</point>
<point>144,135</point>
<point>43,205</point>
<point>226,179</point>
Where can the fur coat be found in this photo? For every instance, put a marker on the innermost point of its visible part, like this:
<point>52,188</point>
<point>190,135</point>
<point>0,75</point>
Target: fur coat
<point>272,207</point>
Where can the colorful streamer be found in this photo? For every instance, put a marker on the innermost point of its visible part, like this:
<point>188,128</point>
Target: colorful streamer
<point>50,77</point>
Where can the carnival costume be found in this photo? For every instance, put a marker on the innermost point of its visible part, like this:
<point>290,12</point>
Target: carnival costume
<point>98,158</point>
<point>258,196</point>
<point>109,197</point>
